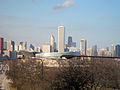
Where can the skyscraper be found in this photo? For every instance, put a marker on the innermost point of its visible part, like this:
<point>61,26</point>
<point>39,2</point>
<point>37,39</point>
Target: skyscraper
<point>112,50</point>
<point>52,43</point>
<point>107,48</point>
<point>32,47</point>
<point>20,47</point>
<point>83,46</point>
<point>5,46</point>
<point>61,38</point>
<point>10,45</point>
<point>1,45</point>
<point>117,50</point>
<point>16,48</point>
<point>23,45</point>
<point>69,41</point>
<point>89,51</point>
<point>94,50</point>
<point>10,52</point>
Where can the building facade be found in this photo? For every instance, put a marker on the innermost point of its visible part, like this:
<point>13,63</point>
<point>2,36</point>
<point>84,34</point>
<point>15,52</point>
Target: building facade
<point>83,46</point>
<point>61,38</point>
<point>23,46</point>
<point>69,41</point>
<point>73,44</point>
<point>117,50</point>
<point>37,49</point>
<point>102,52</point>
<point>89,51</point>
<point>10,45</point>
<point>16,48</point>
<point>5,46</point>
<point>1,45</point>
<point>94,50</point>
<point>32,47</point>
<point>112,50</point>
<point>52,43</point>
<point>46,48</point>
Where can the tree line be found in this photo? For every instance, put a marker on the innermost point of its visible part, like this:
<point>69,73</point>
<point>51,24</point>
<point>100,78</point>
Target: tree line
<point>101,74</point>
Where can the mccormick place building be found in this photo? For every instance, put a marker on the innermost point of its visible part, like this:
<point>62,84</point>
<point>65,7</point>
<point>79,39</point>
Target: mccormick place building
<point>61,44</point>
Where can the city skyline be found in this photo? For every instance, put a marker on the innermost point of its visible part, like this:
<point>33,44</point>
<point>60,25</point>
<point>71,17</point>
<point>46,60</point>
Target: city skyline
<point>59,44</point>
<point>34,21</point>
<point>18,42</point>
<point>10,50</point>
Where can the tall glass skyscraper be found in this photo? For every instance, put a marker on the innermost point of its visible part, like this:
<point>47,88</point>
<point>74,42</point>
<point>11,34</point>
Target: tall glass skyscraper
<point>69,41</point>
<point>83,47</point>
<point>94,50</point>
<point>61,38</point>
<point>117,50</point>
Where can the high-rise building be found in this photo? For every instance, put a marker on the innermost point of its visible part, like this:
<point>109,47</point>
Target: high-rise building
<point>10,45</point>
<point>112,50</point>
<point>102,52</point>
<point>32,47</point>
<point>55,47</point>
<point>83,46</point>
<point>89,51</point>
<point>10,52</point>
<point>117,50</point>
<point>73,44</point>
<point>61,38</point>
<point>94,50</point>
<point>1,45</point>
<point>69,41</point>
<point>5,46</point>
<point>52,43</point>
<point>46,48</point>
<point>16,48</point>
<point>23,45</point>
<point>20,47</point>
<point>107,48</point>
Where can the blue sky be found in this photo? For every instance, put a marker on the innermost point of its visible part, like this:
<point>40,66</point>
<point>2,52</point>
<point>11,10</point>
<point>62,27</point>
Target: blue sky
<point>34,21</point>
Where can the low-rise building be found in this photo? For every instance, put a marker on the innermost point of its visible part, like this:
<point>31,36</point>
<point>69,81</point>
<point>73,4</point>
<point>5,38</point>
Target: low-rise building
<point>46,48</point>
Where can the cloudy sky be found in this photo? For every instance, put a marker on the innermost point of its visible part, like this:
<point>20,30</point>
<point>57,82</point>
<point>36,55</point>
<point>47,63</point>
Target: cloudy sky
<point>97,21</point>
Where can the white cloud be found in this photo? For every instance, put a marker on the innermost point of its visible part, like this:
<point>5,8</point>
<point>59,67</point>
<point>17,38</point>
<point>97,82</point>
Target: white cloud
<point>66,4</point>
